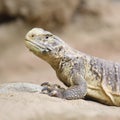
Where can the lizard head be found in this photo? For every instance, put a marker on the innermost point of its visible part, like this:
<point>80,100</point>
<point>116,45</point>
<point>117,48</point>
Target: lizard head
<point>43,43</point>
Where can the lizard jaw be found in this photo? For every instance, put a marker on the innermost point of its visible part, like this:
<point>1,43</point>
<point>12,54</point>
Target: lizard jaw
<point>35,47</point>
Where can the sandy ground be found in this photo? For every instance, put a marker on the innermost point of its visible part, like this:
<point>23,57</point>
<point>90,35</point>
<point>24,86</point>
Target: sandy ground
<point>22,106</point>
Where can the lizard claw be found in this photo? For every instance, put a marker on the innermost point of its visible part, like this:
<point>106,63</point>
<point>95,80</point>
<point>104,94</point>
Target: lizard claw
<point>53,90</point>
<point>56,93</point>
<point>45,84</point>
<point>46,90</point>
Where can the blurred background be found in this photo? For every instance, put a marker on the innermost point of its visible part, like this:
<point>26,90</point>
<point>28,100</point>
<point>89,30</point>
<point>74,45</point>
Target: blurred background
<point>91,26</point>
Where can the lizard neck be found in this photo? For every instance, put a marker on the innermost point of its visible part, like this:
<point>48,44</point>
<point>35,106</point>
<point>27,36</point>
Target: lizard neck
<point>64,55</point>
<point>56,58</point>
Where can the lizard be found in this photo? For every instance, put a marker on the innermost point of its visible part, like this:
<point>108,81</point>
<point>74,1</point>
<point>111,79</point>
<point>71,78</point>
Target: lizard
<point>84,75</point>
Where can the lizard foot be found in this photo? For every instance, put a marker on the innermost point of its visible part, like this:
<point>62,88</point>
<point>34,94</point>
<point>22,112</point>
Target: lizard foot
<point>53,90</point>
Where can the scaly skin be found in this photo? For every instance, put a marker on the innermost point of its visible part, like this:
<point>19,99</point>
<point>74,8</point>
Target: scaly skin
<point>84,75</point>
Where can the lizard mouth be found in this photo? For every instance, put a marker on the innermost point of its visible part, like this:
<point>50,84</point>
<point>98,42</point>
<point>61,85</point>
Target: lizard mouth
<point>35,47</point>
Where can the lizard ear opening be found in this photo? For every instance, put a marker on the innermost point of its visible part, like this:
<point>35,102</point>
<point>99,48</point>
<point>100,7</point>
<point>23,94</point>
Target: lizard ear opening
<point>60,48</point>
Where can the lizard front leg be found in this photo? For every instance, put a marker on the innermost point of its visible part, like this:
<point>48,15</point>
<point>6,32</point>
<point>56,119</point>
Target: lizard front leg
<point>77,91</point>
<point>52,89</point>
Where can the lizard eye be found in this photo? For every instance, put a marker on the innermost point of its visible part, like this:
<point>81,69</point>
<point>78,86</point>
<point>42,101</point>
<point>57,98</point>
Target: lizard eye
<point>47,36</point>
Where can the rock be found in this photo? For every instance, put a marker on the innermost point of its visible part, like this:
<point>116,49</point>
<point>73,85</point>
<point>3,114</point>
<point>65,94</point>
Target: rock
<point>98,14</point>
<point>1,6</point>
<point>34,106</point>
<point>55,14</point>
<point>95,7</point>
<point>44,13</point>
<point>20,87</point>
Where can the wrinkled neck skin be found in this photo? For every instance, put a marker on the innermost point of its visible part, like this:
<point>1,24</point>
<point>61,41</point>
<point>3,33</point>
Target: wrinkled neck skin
<point>54,58</point>
<point>64,54</point>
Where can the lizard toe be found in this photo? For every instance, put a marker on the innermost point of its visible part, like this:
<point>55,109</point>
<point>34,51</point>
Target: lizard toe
<point>45,84</point>
<point>46,90</point>
<point>56,93</point>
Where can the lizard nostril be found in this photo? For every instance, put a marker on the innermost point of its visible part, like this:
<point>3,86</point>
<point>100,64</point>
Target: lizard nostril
<point>32,35</point>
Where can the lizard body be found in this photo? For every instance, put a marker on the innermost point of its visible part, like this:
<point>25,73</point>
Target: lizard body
<point>84,75</point>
